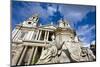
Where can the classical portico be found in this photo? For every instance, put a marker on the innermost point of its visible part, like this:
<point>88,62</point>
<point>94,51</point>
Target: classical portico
<point>29,40</point>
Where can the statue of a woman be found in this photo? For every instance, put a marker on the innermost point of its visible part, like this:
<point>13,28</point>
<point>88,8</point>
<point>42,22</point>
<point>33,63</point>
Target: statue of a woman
<point>49,55</point>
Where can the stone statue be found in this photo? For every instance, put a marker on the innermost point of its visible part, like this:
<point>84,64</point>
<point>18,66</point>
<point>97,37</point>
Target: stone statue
<point>79,53</point>
<point>53,54</point>
<point>86,54</point>
<point>74,51</point>
<point>49,55</point>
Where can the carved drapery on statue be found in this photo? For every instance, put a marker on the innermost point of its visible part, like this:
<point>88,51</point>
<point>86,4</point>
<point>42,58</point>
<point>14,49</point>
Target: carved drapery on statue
<point>49,55</point>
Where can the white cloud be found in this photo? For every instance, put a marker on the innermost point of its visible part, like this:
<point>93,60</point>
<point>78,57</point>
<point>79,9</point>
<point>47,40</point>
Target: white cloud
<point>82,30</point>
<point>86,34</point>
<point>75,13</point>
<point>86,44</point>
<point>93,42</point>
<point>51,10</point>
<point>74,16</point>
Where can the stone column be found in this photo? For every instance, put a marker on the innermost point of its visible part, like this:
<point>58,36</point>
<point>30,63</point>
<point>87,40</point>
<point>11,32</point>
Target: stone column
<point>37,35</point>
<point>28,36</point>
<point>22,56</point>
<point>47,35</point>
<point>17,36</point>
<point>35,52</point>
<point>16,57</point>
<point>14,32</point>
<point>31,34</point>
<point>30,58</point>
<point>24,38</point>
<point>40,35</point>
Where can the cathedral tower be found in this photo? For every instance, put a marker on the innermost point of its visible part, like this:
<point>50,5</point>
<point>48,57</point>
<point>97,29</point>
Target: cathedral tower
<point>32,21</point>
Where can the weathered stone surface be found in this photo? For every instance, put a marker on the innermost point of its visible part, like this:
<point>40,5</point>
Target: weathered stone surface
<point>73,52</point>
<point>48,55</point>
<point>60,44</point>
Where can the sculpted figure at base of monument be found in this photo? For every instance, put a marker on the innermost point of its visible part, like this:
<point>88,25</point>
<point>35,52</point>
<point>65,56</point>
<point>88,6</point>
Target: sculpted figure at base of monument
<point>73,52</point>
<point>49,55</point>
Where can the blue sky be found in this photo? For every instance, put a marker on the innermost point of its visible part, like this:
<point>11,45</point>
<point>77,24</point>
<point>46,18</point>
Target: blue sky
<point>81,18</point>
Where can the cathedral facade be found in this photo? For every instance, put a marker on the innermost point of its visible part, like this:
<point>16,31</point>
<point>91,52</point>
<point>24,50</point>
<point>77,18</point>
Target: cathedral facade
<point>33,43</point>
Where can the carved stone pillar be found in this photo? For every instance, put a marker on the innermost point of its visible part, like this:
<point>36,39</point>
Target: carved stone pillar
<point>47,35</point>
<point>28,35</point>
<point>40,35</point>
<point>37,35</point>
<point>14,32</point>
<point>34,55</point>
<point>16,56</point>
<point>31,34</point>
<point>30,58</point>
<point>17,36</point>
<point>22,56</point>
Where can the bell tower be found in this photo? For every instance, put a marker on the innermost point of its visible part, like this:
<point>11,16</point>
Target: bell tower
<point>63,23</point>
<point>64,33</point>
<point>32,21</point>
